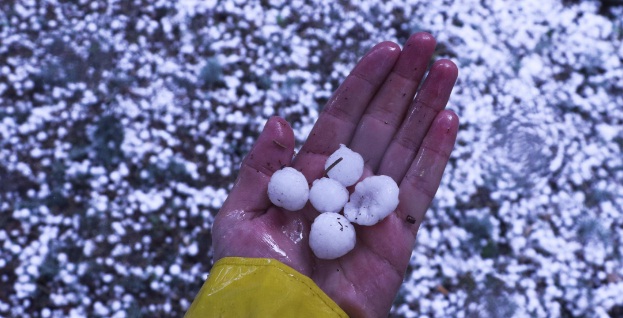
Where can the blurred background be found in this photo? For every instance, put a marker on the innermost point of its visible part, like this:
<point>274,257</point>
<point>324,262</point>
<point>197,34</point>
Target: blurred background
<point>123,124</point>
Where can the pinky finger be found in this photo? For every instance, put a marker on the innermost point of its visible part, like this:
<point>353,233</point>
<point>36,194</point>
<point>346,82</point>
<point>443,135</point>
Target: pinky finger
<point>419,185</point>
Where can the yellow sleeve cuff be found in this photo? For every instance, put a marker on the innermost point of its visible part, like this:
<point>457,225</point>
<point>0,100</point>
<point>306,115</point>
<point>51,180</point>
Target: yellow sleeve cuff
<point>260,287</point>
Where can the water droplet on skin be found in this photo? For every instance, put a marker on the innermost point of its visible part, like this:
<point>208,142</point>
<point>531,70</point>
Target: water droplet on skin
<point>294,231</point>
<point>273,245</point>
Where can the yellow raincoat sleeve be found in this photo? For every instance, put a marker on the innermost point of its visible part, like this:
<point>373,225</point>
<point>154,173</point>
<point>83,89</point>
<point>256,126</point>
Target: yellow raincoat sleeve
<point>260,287</point>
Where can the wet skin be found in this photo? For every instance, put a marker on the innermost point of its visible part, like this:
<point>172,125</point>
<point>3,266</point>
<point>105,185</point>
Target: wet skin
<point>377,113</point>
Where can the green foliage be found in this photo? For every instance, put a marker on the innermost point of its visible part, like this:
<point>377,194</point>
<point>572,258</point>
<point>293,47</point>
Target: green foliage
<point>56,200</point>
<point>596,196</point>
<point>211,73</point>
<point>281,21</point>
<point>490,250</point>
<point>590,230</point>
<point>92,225</point>
<point>263,82</point>
<point>49,268</point>
<point>106,141</point>
<point>134,310</point>
<point>479,228</point>
<point>77,138</point>
<point>467,283</point>
<point>100,57</point>
<point>135,285</point>
<point>184,83</point>
<point>492,298</point>
<point>121,83</point>
<point>157,174</point>
<point>481,240</point>
<point>291,85</point>
<point>66,67</point>
<point>14,182</point>
<point>496,301</point>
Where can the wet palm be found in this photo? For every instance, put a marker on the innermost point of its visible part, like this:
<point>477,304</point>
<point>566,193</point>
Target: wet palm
<point>375,113</point>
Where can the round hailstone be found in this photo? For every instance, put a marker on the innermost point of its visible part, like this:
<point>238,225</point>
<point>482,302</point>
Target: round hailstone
<point>328,195</point>
<point>331,236</point>
<point>374,198</point>
<point>288,189</point>
<point>348,170</point>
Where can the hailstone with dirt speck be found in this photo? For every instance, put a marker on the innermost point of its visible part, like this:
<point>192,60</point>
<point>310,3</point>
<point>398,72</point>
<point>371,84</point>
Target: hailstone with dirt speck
<point>328,195</point>
<point>288,189</point>
<point>348,169</point>
<point>331,236</point>
<point>374,198</point>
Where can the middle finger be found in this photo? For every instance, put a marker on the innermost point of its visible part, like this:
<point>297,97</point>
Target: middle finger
<point>384,114</point>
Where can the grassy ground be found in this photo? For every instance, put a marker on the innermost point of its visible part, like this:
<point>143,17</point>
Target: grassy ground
<point>123,123</point>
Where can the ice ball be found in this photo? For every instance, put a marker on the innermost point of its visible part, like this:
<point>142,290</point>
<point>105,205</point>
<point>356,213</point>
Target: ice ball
<point>331,236</point>
<point>348,169</point>
<point>288,189</point>
<point>374,198</point>
<point>328,195</point>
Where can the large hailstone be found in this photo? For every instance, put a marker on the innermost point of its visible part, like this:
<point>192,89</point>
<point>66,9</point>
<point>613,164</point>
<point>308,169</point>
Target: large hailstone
<point>328,195</point>
<point>288,189</point>
<point>331,236</point>
<point>348,170</point>
<point>374,198</point>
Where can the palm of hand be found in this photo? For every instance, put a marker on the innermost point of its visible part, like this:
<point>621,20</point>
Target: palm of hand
<point>374,113</point>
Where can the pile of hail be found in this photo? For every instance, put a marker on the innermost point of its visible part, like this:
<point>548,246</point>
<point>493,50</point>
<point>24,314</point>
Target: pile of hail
<point>332,234</point>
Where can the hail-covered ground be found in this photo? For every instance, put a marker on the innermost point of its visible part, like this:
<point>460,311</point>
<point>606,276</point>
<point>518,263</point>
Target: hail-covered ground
<point>123,124</point>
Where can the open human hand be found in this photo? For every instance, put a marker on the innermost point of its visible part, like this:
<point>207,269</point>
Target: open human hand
<point>377,113</point>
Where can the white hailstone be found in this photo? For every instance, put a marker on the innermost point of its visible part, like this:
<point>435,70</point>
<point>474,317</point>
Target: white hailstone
<point>331,236</point>
<point>348,169</point>
<point>288,189</point>
<point>328,195</point>
<point>374,198</point>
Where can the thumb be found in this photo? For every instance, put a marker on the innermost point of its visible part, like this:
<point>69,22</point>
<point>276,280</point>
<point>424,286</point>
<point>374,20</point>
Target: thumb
<point>273,149</point>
